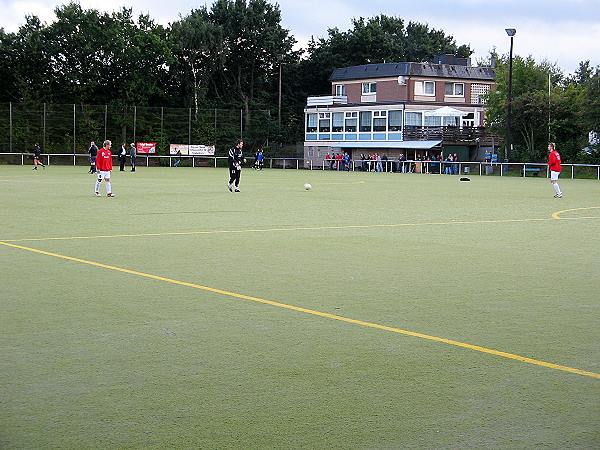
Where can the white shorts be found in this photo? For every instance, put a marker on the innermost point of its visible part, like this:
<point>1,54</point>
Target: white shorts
<point>103,174</point>
<point>554,175</point>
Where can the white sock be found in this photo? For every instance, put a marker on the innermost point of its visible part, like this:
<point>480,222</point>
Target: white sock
<point>97,186</point>
<point>108,189</point>
<point>556,188</point>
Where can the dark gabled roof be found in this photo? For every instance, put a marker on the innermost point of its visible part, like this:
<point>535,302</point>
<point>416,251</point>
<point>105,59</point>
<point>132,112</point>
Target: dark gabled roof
<point>411,68</point>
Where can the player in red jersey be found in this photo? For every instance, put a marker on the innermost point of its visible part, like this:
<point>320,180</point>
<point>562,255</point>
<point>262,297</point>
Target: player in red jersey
<point>104,167</point>
<point>555,169</point>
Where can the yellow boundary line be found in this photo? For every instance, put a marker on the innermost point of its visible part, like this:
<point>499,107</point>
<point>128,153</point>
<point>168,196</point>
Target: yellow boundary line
<point>269,230</point>
<point>557,214</point>
<point>312,312</point>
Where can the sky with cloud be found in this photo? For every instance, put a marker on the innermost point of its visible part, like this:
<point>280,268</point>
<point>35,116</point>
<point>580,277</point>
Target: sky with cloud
<point>561,31</point>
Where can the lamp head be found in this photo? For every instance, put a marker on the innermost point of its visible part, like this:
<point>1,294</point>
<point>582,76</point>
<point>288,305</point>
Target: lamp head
<point>511,31</point>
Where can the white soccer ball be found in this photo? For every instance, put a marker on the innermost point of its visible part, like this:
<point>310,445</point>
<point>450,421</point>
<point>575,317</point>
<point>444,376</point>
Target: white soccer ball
<point>307,186</point>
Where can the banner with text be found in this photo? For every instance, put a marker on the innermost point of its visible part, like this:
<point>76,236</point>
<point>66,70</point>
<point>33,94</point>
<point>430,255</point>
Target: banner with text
<point>146,147</point>
<point>194,150</point>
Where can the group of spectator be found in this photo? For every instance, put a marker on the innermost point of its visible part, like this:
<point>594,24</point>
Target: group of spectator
<point>338,161</point>
<point>382,163</point>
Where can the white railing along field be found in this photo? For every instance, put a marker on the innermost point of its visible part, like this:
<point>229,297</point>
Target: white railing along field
<point>589,171</point>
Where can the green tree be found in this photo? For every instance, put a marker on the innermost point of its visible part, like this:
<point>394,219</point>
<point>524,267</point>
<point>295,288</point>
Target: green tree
<point>538,115</point>
<point>374,40</point>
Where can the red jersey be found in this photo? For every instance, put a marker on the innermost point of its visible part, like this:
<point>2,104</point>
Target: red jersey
<point>554,161</point>
<point>104,160</point>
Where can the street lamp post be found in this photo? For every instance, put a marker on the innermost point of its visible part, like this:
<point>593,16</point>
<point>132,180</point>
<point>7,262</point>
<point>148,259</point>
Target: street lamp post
<point>510,32</point>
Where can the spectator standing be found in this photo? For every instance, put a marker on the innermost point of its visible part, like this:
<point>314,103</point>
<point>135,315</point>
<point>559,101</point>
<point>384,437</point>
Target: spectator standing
<point>132,156</point>
<point>93,151</point>
<point>122,156</point>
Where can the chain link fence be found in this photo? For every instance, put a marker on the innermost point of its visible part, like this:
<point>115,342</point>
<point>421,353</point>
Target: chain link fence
<point>70,128</point>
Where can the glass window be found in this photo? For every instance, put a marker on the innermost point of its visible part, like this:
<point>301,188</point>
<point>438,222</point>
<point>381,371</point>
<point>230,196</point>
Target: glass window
<point>340,89</point>
<point>394,120</point>
<point>450,121</point>
<point>365,121</point>
<point>350,125</point>
<point>311,123</point>
<point>429,87</point>
<point>413,119</point>
<point>454,89</point>
<point>379,124</point>
<point>432,121</point>
<point>337,124</point>
<point>324,125</point>
<point>369,88</point>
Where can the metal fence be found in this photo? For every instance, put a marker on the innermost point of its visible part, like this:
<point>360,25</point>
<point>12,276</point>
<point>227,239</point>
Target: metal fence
<point>464,168</point>
<point>58,128</point>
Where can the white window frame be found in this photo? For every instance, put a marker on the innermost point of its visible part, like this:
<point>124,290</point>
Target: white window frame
<point>428,83</point>
<point>369,88</point>
<point>340,90</point>
<point>454,85</point>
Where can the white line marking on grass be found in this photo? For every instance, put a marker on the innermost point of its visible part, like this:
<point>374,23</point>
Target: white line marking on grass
<point>313,312</point>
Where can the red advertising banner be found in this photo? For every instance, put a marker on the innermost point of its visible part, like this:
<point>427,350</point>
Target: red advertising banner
<point>146,147</point>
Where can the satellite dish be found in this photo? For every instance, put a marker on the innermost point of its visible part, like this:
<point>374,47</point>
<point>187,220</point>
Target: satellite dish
<point>402,80</point>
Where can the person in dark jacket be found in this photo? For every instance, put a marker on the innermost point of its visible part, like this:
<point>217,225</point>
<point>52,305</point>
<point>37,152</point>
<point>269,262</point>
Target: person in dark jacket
<point>93,151</point>
<point>235,159</point>
<point>122,157</point>
<point>132,156</point>
<point>37,158</point>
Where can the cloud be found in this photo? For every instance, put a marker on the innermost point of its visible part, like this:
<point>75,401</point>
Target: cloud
<point>562,31</point>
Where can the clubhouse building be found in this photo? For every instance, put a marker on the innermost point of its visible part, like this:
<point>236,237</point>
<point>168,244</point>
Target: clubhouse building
<point>417,109</point>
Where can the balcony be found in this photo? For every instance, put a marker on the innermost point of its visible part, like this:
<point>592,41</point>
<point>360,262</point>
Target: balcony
<point>452,135</point>
<point>327,100</point>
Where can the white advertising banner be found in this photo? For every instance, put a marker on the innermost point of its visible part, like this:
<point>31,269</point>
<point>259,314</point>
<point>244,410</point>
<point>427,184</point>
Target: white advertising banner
<point>195,150</point>
<point>174,148</point>
<point>202,150</point>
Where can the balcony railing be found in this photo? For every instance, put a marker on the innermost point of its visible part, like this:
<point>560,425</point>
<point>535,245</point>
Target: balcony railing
<point>327,100</point>
<point>451,134</point>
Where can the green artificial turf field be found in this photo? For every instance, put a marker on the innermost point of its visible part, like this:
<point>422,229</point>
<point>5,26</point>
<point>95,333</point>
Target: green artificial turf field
<point>173,323</point>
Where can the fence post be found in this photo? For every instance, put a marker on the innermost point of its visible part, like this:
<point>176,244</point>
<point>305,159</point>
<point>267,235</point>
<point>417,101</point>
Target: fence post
<point>44,128</point>
<point>215,162</point>
<point>147,161</point>
<point>479,169</point>
<point>193,162</point>
<point>323,165</point>
<point>170,158</point>
<point>311,164</point>
<point>270,163</point>
<point>284,163</point>
<point>297,162</point>
<point>572,171</point>
<point>73,130</point>
<point>10,126</point>
<point>598,173</point>
<point>501,169</point>
<point>134,121</point>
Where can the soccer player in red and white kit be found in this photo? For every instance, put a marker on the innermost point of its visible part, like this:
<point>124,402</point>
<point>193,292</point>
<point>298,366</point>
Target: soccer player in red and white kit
<point>104,167</point>
<point>555,169</point>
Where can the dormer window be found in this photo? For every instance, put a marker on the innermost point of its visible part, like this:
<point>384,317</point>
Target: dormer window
<point>454,89</point>
<point>340,90</point>
<point>369,88</point>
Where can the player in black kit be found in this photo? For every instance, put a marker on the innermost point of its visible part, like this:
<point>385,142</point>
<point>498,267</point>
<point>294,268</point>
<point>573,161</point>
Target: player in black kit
<point>235,160</point>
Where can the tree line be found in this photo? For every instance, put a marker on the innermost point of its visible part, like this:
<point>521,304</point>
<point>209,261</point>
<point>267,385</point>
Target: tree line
<point>232,54</point>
